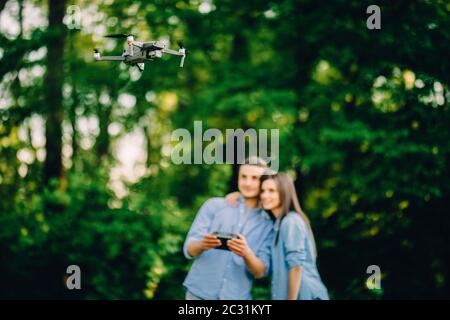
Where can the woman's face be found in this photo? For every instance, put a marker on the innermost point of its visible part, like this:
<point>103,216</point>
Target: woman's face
<point>270,197</point>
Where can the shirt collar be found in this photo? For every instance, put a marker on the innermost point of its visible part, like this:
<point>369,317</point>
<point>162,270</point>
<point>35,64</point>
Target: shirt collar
<point>277,224</point>
<point>259,210</point>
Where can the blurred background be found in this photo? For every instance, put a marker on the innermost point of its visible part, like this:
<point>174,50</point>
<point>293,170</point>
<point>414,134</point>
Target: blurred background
<point>85,170</point>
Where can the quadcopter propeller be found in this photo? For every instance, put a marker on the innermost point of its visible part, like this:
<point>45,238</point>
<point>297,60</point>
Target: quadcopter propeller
<point>181,46</point>
<point>118,35</point>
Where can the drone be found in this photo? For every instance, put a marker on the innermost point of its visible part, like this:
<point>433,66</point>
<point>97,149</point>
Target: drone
<point>138,52</point>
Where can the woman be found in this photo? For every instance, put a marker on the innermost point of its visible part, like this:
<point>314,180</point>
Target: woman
<point>294,272</point>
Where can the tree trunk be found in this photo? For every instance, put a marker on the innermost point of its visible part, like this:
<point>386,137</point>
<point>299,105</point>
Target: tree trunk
<point>53,90</point>
<point>102,142</point>
<point>2,5</point>
<point>239,55</point>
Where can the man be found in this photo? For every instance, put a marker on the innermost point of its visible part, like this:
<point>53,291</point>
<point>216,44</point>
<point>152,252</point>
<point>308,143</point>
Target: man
<point>228,274</point>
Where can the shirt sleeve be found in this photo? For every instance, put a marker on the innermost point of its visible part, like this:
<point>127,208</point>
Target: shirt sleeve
<point>200,226</point>
<point>264,252</point>
<point>293,234</point>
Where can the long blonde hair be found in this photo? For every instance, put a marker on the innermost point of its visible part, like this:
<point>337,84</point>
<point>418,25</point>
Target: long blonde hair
<point>289,200</point>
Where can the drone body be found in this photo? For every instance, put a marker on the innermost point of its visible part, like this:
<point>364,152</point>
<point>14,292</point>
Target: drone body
<point>137,53</point>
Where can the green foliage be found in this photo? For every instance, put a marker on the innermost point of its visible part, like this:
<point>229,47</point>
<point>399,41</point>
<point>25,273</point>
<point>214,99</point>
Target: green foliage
<point>363,118</point>
<point>76,226</point>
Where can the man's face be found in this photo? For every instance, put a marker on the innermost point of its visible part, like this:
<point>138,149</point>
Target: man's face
<point>248,180</point>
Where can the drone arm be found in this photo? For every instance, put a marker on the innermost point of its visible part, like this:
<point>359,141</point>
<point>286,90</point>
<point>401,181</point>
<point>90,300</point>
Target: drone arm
<point>110,58</point>
<point>170,51</point>
<point>180,53</point>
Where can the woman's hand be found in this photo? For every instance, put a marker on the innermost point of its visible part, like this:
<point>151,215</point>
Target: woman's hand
<point>295,279</point>
<point>232,198</point>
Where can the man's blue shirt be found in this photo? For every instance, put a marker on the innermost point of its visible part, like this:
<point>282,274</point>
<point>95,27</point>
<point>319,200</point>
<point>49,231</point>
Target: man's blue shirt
<point>221,274</point>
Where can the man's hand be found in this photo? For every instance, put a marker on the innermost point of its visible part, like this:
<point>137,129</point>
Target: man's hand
<point>239,246</point>
<point>254,264</point>
<point>210,241</point>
